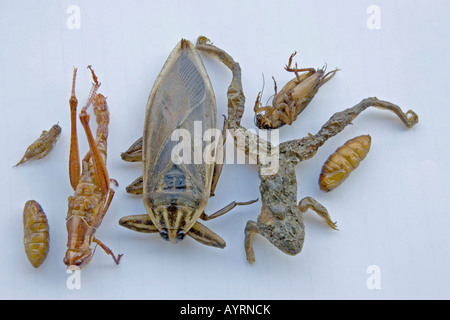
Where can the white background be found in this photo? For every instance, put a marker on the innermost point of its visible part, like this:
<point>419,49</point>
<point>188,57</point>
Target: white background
<point>392,212</point>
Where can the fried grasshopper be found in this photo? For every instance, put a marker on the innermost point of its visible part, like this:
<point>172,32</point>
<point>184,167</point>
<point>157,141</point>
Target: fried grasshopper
<point>92,191</point>
<point>176,188</point>
<point>281,217</point>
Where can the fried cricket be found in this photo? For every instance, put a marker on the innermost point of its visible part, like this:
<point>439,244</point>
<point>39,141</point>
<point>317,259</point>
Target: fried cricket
<point>293,98</point>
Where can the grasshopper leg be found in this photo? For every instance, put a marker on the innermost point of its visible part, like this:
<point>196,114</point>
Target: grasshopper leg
<point>101,172</point>
<point>101,214</point>
<point>74,155</point>
<point>99,165</point>
<point>108,250</point>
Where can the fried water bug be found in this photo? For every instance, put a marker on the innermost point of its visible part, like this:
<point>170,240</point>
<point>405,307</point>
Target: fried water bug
<point>175,193</point>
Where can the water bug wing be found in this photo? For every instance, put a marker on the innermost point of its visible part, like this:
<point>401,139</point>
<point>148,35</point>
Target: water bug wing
<point>182,97</point>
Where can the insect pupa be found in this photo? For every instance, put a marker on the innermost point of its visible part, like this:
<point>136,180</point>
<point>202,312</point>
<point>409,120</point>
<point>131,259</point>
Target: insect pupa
<point>343,161</point>
<point>35,233</point>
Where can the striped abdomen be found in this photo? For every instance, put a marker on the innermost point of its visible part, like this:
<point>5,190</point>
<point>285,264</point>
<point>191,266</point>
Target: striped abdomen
<point>35,233</point>
<point>43,145</point>
<point>339,165</point>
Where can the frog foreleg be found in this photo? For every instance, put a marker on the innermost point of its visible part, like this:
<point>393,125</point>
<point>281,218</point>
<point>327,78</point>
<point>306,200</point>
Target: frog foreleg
<point>250,229</point>
<point>309,203</point>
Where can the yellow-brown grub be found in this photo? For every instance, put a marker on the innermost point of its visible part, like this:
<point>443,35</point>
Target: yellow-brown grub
<point>343,161</point>
<point>35,233</point>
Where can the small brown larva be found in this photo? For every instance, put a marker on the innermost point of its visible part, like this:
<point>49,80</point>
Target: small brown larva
<point>343,161</point>
<point>43,145</point>
<point>35,233</point>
